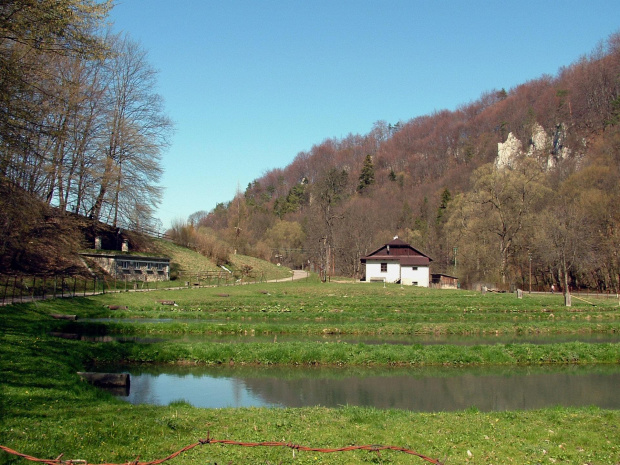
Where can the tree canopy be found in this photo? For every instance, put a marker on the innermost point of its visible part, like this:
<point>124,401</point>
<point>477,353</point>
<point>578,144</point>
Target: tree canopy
<point>82,127</point>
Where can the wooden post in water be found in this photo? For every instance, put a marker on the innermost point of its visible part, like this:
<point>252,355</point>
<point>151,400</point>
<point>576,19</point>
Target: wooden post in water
<point>105,379</point>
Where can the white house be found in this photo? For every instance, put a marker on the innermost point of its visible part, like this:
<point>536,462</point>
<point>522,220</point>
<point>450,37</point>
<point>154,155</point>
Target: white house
<point>398,262</point>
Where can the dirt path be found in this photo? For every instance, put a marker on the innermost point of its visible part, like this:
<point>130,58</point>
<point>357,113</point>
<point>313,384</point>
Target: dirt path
<point>297,274</point>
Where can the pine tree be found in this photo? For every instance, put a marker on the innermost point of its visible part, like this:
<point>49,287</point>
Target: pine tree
<point>367,176</point>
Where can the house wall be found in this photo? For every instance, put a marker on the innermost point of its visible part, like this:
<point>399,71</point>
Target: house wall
<point>373,271</point>
<point>407,275</point>
<point>419,275</point>
<point>134,268</point>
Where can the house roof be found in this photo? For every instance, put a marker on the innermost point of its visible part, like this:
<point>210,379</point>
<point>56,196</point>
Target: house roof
<point>125,256</point>
<point>398,250</point>
<point>440,275</point>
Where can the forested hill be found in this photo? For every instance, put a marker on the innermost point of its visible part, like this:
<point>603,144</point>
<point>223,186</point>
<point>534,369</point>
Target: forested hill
<point>550,200</point>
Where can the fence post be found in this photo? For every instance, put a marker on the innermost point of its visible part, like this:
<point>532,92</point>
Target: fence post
<point>6,288</point>
<point>34,284</point>
<point>74,285</point>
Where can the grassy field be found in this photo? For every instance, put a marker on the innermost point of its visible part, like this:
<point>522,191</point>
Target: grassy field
<point>46,411</point>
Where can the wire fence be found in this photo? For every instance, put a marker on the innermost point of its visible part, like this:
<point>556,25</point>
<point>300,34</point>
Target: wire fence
<point>22,288</point>
<point>375,448</point>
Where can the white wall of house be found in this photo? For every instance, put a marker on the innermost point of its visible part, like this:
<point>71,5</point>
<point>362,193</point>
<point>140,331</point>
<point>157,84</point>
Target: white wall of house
<point>415,275</point>
<point>409,275</point>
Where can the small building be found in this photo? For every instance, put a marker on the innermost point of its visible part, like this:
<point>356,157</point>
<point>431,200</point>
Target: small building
<point>397,262</point>
<point>131,266</point>
<point>444,281</point>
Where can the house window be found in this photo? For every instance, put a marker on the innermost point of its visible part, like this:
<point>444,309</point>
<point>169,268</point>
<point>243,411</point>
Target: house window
<point>414,268</point>
<point>384,268</point>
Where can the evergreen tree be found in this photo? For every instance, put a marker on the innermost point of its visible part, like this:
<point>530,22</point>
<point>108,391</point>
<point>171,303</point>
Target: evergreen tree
<point>446,197</point>
<point>367,176</point>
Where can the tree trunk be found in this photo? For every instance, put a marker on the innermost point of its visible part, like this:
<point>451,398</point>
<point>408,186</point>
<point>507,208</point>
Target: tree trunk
<point>567,297</point>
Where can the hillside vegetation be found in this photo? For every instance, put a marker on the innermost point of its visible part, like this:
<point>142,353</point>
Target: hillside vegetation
<point>40,240</point>
<point>187,262</point>
<point>518,180</point>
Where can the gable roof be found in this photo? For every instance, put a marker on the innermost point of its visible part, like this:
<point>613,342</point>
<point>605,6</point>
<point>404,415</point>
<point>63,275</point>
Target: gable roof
<point>400,251</point>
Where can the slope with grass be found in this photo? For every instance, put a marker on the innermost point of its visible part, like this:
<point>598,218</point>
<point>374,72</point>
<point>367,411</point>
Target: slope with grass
<point>189,262</point>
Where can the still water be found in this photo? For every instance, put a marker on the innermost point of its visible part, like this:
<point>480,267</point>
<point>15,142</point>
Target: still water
<point>423,390</point>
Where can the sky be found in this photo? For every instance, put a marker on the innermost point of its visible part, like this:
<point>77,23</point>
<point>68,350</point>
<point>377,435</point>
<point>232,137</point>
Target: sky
<point>249,84</point>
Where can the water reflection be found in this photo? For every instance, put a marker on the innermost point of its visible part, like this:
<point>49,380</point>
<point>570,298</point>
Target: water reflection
<point>421,390</point>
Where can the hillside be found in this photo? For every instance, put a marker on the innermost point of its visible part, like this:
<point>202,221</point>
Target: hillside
<point>186,261</point>
<point>39,240</point>
<point>494,191</point>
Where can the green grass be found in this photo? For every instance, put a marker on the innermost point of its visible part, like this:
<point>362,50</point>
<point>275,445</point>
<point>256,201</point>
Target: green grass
<point>310,307</point>
<point>46,410</point>
<point>187,258</point>
<point>192,261</point>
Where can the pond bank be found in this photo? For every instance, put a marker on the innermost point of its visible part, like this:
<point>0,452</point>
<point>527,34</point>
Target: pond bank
<point>337,354</point>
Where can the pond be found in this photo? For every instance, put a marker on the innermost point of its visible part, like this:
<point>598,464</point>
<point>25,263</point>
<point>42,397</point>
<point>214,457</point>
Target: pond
<point>423,390</point>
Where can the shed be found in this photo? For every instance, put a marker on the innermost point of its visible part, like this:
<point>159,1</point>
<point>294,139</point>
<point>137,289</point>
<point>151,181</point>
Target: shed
<point>444,281</point>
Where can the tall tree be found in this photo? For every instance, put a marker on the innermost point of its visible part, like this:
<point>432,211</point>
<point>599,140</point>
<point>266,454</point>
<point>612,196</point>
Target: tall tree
<point>367,176</point>
<point>32,32</point>
<point>500,205</point>
<point>137,132</point>
<point>328,193</point>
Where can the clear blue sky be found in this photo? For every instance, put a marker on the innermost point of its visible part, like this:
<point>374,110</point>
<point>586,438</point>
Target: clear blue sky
<point>251,83</point>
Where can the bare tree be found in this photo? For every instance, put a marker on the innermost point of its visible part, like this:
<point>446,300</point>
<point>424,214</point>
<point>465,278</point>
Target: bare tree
<point>137,132</point>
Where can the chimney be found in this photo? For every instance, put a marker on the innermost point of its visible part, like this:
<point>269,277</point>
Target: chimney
<point>98,243</point>
<point>125,246</point>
